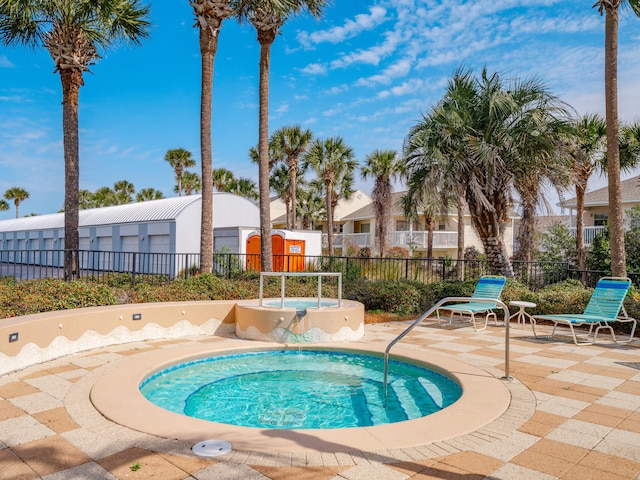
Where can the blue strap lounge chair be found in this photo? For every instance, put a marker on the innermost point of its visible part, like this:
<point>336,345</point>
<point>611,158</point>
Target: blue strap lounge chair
<point>604,308</point>
<point>488,287</point>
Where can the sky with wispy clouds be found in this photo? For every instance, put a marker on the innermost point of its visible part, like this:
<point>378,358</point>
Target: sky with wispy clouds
<point>367,71</point>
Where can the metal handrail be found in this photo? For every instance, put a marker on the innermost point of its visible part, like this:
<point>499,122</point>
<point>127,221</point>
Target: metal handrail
<point>282,276</point>
<point>438,305</point>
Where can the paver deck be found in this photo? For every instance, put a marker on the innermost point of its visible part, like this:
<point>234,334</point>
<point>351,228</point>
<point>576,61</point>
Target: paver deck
<point>574,414</point>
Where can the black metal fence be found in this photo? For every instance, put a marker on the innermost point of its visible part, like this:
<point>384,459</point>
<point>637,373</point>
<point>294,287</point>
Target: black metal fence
<point>161,267</point>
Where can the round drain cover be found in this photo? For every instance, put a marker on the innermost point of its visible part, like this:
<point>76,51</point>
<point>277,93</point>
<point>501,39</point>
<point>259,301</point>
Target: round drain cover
<point>211,448</point>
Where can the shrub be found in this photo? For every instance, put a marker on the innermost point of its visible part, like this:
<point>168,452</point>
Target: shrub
<point>397,252</point>
<point>568,296</point>
<point>399,297</point>
<point>51,294</point>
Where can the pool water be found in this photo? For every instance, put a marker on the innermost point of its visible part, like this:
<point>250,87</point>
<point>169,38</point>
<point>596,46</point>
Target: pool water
<point>294,389</point>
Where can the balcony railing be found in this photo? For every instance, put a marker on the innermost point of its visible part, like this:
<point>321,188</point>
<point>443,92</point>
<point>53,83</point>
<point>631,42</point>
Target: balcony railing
<point>589,233</point>
<point>415,240</point>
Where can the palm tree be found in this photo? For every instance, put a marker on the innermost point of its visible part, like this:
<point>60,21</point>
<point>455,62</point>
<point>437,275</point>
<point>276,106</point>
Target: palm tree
<point>104,197</point>
<point>630,146</point>
<point>268,16</point>
<point>85,200</point>
<point>222,179</point>
<point>333,162</point>
<point>280,183</point>
<point>73,32</point>
<point>124,191</point>
<point>191,183</point>
<point>422,197</point>
<point>586,147</point>
<point>482,131</point>
<point>179,159</point>
<point>616,225</point>
<point>543,161</point>
<point>311,208</point>
<point>432,150</point>
<point>292,142</point>
<point>209,17</point>
<point>385,167</point>
<point>245,187</point>
<point>587,142</point>
<point>147,194</point>
<point>16,194</point>
<point>4,206</point>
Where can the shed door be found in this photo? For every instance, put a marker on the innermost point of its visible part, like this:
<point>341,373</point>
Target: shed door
<point>105,245</point>
<point>159,259</point>
<point>130,246</point>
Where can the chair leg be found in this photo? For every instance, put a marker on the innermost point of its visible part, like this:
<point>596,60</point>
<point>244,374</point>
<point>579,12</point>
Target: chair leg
<point>533,327</point>
<point>607,326</point>
<point>633,328</point>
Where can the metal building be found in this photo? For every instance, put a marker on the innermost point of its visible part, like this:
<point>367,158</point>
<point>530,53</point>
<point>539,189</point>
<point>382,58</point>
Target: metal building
<point>166,226</point>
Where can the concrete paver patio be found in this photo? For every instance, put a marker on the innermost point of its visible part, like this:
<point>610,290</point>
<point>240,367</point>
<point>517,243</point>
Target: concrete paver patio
<point>574,414</point>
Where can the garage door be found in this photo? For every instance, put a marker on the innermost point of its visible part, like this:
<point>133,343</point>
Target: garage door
<point>159,260</point>
<point>105,257</point>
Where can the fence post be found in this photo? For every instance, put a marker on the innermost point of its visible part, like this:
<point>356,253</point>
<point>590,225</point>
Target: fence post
<point>229,266</point>
<point>443,270</point>
<point>406,269</point>
<point>133,269</point>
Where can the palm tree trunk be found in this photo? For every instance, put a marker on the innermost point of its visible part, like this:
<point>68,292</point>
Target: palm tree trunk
<point>71,82</point>
<point>460,253</point>
<point>208,48</point>
<point>616,226</point>
<point>263,163</point>
<point>580,253</point>
<point>487,225</point>
<point>329,219</point>
<point>292,180</point>
<point>430,224</point>
<point>526,238</point>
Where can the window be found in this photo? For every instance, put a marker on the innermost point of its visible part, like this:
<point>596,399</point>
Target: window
<point>442,225</point>
<point>402,226</point>
<point>600,219</point>
<point>365,228</point>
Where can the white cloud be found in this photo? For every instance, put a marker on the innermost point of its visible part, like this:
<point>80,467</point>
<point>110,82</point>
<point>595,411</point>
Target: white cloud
<point>336,89</point>
<point>398,69</point>
<point>409,87</point>
<point>284,108</point>
<point>350,29</point>
<point>5,62</point>
<point>333,111</point>
<point>314,69</point>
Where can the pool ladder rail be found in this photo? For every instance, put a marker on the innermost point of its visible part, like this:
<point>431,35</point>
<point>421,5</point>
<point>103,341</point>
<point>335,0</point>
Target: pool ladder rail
<point>283,275</point>
<point>431,311</point>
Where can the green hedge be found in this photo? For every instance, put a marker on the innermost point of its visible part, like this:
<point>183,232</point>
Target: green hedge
<point>34,296</point>
<point>397,297</point>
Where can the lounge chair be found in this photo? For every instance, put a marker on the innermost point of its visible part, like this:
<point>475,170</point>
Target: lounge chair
<point>604,307</point>
<point>488,287</point>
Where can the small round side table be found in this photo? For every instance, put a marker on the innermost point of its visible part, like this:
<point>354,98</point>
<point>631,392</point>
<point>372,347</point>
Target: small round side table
<point>521,315</point>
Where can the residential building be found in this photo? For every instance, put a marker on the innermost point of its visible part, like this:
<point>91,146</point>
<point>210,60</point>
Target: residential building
<point>355,223</point>
<point>596,207</point>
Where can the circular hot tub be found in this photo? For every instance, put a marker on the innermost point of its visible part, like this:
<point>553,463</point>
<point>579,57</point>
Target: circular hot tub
<point>117,397</point>
<point>307,388</point>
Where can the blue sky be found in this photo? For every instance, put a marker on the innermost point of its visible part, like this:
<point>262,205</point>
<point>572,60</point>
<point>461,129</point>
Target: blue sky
<point>366,71</point>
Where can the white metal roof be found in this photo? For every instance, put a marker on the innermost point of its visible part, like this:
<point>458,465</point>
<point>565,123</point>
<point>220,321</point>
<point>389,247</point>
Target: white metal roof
<point>150,211</point>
